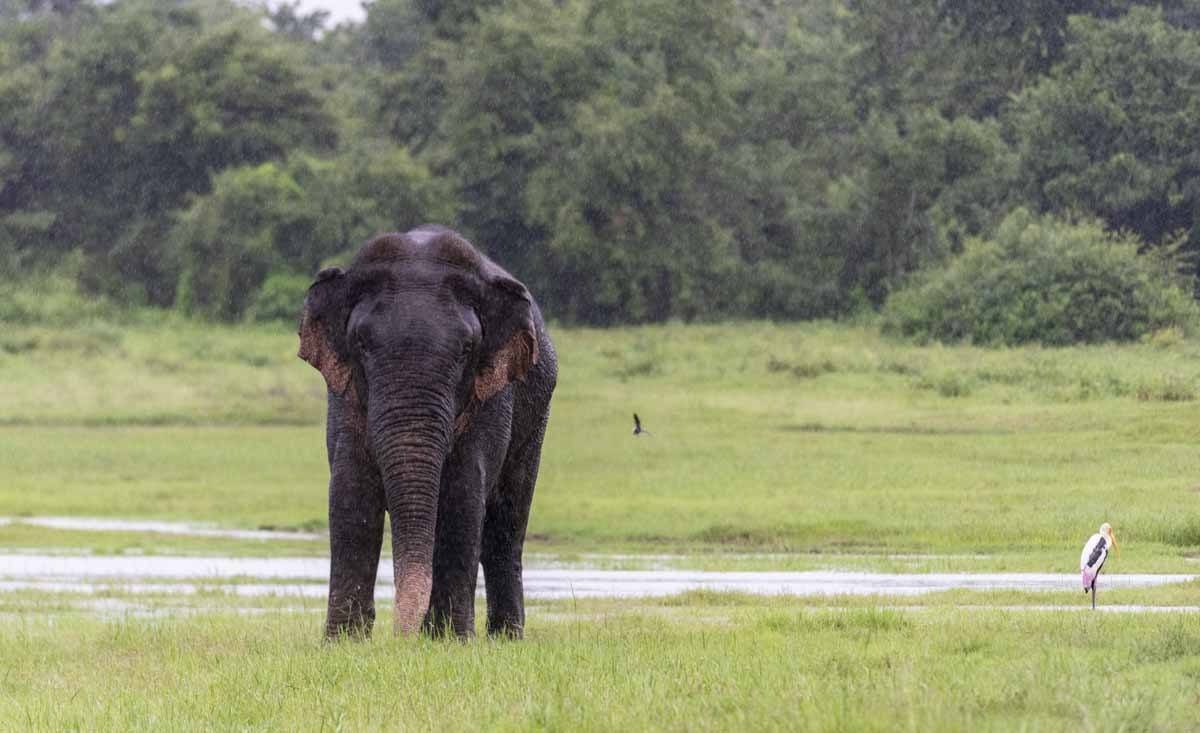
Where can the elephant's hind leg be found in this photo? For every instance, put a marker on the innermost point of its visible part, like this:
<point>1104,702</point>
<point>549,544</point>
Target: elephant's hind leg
<point>504,527</point>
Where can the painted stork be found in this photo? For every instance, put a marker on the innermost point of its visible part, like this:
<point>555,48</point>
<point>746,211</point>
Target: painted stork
<point>1095,552</point>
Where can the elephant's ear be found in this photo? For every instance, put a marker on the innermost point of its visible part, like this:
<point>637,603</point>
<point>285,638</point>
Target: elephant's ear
<point>510,345</point>
<point>322,327</point>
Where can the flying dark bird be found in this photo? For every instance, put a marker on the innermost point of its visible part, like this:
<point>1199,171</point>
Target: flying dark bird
<point>637,426</point>
<point>1095,552</point>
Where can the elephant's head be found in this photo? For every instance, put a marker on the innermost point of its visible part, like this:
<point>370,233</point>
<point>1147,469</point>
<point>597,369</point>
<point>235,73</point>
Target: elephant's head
<point>414,336</point>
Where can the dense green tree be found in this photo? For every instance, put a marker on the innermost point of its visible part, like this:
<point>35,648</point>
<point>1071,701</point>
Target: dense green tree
<point>1000,48</point>
<point>24,222</point>
<point>628,192</point>
<point>26,8</point>
<point>228,241</point>
<point>634,226</point>
<point>969,56</point>
<point>290,20</point>
<point>631,160</point>
<point>1111,130</point>
<point>137,111</point>
<point>450,18</point>
<point>905,209</point>
<point>790,143</point>
<point>533,63</point>
<point>291,218</point>
<point>394,31</point>
<point>227,99</point>
<point>406,81</point>
<point>83,169</point>
<point>899,62</point>
<point>380,187</point>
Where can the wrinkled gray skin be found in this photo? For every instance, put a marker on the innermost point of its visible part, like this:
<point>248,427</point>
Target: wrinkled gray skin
<point>440,374</point>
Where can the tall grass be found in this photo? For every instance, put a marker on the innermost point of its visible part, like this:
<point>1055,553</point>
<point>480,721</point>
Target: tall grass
<point>772,668</point>
<point>105,372</point>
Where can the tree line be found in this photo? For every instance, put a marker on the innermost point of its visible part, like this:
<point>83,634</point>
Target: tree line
<point>630,160</point>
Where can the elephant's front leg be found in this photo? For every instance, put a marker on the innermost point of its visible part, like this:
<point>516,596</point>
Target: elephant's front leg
<point>456,550</point>
<point>356,506</point>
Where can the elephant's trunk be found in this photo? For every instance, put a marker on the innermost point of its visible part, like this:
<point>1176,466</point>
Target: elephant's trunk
<point>410,436</point>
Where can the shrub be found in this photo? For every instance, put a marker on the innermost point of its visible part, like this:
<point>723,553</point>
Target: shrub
<point>291,216</point>
<point>228,240</point>
<point>39,296</point>
<point>1045,280</point>
<point>279,298</point>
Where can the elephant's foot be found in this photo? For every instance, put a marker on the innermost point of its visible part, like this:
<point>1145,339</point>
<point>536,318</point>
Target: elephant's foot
<point>441,625</point>
<point>351,632</point>
<point>511,629</point>
<point>452,605</point>
<point>349,626</point>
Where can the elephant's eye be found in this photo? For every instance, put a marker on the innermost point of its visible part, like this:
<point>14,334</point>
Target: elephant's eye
<point>468,347</point>
<point>360,339</point>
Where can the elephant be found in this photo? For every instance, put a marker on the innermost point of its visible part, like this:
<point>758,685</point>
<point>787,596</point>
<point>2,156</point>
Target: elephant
<point>439,372</point>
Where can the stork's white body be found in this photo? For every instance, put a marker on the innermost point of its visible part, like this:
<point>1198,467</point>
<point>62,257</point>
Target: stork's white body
<point>1095,552</point>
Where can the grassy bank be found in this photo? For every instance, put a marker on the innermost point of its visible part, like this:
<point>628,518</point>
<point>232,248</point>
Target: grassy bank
<point>656,667</point>
<point>813,440</point>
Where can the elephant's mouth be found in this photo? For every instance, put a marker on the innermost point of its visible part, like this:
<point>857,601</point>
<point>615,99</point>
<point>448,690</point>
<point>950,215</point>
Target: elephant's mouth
<point>463,421</point>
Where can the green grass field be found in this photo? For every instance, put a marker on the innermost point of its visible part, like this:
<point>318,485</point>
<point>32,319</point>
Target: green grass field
<point>811,446</point>
<point>713,663</point>
<point>828,444</point>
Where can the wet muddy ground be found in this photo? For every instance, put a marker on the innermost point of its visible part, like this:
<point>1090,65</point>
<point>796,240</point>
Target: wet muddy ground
<point>306,577</point>
<point>95,577</point>
<point>183,529</point>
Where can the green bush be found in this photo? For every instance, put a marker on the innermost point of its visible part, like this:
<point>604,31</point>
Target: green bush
<point>51,297</point>
<point>229,240</point>
<point>1045,280</point>
<point>279,298</point>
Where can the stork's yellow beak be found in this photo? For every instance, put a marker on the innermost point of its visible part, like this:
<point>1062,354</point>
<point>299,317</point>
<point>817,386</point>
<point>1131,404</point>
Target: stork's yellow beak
<point>1112,536</point>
